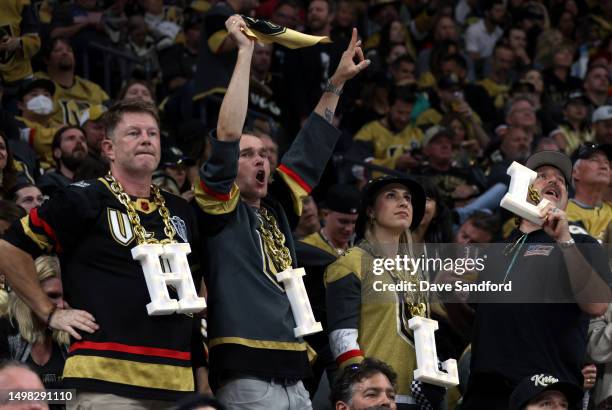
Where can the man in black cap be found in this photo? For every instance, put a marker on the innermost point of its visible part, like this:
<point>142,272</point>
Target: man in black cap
<point>316,251</point>
<point>542,263</point>
<point>591,176</point>
<point>457,184</point>
<point>339,216</point>
<point>575,128</point>
<point>543,391</point>
<point>37,108</point>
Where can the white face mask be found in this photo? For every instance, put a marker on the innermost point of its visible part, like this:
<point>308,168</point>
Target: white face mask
<point>41,105</point>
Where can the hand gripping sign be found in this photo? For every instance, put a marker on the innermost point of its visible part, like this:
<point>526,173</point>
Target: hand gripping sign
<point>177,273</point>
<point>298,299</point>
<point>427,370</point>
<point>515,200</point>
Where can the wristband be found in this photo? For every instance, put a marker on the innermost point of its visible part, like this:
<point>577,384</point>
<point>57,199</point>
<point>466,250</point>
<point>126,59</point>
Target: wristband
<point>567,244</point>
<point>329,88</point>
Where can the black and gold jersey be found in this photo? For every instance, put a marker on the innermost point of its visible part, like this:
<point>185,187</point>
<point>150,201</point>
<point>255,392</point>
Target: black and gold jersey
<point>132,354</point>
<point>70,102</point>
<point>18,19</point>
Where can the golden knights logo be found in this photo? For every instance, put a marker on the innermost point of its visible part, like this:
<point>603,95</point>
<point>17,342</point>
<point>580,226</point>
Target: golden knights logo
<point>121,228</point>
<point>264,27</point>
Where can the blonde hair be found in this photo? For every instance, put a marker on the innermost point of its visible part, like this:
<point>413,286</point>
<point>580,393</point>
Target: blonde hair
<point>3,302</point>
<point>30,327</point>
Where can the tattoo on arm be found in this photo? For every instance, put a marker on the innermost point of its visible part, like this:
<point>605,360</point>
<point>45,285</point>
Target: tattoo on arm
<point>329,115</point>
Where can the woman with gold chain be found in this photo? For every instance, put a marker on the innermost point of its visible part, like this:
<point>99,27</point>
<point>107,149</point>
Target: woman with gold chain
<point>367,314</point>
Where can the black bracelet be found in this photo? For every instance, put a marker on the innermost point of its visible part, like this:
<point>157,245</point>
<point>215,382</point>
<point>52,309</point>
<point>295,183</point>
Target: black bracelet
<point>48,321</point>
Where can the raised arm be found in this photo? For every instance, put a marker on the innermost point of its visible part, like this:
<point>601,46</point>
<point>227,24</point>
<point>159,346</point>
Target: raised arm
<point>236,100</point>
<point>347,69</point>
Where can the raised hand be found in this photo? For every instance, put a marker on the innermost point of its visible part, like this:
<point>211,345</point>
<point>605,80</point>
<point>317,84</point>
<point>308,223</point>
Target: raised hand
<point>348,68</point>
<point>236,26</point>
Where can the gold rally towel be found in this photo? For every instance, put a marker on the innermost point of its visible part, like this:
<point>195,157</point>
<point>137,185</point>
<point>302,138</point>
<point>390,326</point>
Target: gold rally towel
<point>267,32</point>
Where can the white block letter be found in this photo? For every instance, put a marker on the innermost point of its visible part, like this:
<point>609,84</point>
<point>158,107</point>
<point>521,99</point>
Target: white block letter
<point>427,357</point>
<point>516,199</point>
<point>300,304</point>
<point>174,256</point>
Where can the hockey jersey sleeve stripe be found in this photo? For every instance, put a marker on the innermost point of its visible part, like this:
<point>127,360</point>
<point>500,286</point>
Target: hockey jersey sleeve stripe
<point>217,195</point>
<point>295,177</point>
<point>41,241</point>
<point>352,354</point>
<point>38,222</point>
<point>141,350</point>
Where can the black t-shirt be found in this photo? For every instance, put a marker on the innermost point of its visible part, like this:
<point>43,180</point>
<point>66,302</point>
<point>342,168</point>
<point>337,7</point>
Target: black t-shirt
<point>51,372</point>
<point>514,340</point>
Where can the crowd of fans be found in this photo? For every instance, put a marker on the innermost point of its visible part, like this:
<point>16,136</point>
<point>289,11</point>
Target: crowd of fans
<point>454,93</point>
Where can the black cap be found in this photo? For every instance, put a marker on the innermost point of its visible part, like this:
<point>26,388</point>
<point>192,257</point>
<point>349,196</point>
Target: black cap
<point>29,85</point>
<point>587,150</point>
<point>532,386</point>
<point>373,187</point>
<point>450,81</point>
<point>171,156</point>
<point>342,198</point>
<point>577,96</point>
<point>553,158</point>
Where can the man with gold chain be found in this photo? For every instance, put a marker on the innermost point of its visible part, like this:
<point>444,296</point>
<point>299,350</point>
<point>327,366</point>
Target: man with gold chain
<point>124,351</point>
<point>255,356</point>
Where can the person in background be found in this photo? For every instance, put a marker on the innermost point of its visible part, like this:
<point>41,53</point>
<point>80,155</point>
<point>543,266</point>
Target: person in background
<point>370,384</point>
<point>587,210</point>
<point>19,42</point>
<point>69,151</point>
<point>544,392</point>
<point>29,340</point>
<point>27,196</point>
<point>309,221</point>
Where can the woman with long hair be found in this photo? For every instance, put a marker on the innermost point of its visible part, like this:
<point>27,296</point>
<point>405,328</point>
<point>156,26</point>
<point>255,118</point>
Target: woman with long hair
<point>29,340</point>
<point>368,303</point>
<point>8,173</point>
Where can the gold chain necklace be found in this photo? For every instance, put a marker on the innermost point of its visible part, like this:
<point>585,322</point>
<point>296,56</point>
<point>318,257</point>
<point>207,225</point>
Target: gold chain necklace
<point>415,307</point>
<point>274,241</point>
<point>139,231</point>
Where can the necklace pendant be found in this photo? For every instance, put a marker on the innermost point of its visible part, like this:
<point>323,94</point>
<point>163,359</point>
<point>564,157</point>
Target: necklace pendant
<point>300,304</point>
<point>175,272</point>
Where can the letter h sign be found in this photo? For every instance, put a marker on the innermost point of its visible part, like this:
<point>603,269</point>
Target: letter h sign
<point>174,256</point>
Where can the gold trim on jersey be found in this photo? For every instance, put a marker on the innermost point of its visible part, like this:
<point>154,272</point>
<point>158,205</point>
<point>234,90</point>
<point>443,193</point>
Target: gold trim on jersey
<point>259,344</point>
<point>297,192</point>
<point>155,376</point>
<point>215,90</point>
<point>216,40</point>
<point>214,206</point>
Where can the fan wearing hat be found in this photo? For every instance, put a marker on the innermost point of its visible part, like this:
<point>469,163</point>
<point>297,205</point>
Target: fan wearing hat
<point>316,251</point>
<point>456,184</point>
<point>175,164</point>
<point>545,392</point>
<point>35,125</point>
<point>591,177</point>
<point>575,130</point>
<point>362,321</point>
<point>602,124</point>
<point>548,264</point>
<point>339,213</point>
